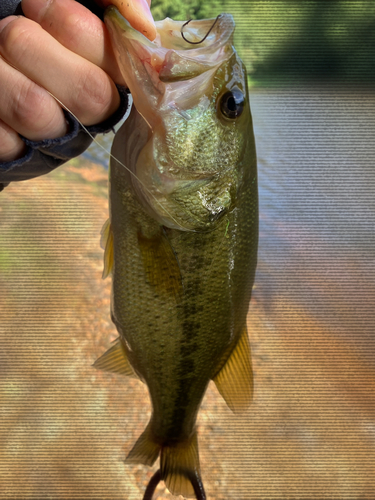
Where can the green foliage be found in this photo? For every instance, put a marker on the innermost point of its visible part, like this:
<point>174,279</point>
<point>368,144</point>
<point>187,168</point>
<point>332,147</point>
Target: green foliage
<point>185,9</point>
<point>318,39</point>
<point>293,39</point>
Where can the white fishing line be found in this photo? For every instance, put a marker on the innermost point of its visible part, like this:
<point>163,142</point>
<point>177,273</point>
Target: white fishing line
<point>118,161</point>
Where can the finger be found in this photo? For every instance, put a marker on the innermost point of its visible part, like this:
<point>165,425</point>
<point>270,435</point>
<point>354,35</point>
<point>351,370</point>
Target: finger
<point>83,87</point>
<point>137,12</point>
<point>27,108</point>
<point>77,29</point>
<point>11,145</point>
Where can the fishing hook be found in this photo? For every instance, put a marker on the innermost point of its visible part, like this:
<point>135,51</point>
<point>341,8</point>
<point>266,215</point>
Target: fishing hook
<point>206,35</point>
<point>193,478</point>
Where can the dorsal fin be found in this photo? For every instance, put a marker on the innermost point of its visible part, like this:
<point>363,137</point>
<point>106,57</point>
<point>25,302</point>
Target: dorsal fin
<point>115,360</point>
<point>106,242</point>
<point>235,380</point>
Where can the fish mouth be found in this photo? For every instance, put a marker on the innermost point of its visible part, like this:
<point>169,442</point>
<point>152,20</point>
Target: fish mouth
<point>170,67</point>
<point>174,82</point>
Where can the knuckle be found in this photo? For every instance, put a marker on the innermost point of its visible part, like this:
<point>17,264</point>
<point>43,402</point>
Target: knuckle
<point>31,106</point>
<point>11,145</point>
<point>16,38</point>
<point>94,97</point>
<point>74,26</point>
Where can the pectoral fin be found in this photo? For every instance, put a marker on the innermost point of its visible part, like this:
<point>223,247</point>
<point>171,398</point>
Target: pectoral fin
<point>161,264</point>
<point>115,360</point>
<point>235,379</point>
<point>106,242</point>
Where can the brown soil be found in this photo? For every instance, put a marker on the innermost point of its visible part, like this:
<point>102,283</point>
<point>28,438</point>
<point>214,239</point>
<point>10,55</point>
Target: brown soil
<point>65,427</point>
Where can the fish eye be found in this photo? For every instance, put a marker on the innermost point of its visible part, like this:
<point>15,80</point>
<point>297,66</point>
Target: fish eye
<point>232,103</point>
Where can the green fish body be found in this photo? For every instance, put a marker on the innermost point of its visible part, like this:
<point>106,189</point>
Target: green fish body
<point>181,242</point>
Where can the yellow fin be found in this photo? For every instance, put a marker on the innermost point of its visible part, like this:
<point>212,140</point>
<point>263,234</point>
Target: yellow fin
<point>106,242</point>
<point>235,380</point>
<point>161,264</point>
<point>178,463</point>
<point>145,451</point>
<point>115,360</point>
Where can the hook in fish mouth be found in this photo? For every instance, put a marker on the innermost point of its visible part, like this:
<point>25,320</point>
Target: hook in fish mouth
<point>205,36</point>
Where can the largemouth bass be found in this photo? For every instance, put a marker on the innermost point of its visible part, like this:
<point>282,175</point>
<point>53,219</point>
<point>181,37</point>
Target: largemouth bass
<point>181,241</point>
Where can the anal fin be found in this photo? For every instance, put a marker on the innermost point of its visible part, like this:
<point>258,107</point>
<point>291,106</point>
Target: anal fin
<point>115,360</point>
<point>145,451</point>
<point>235,380</point>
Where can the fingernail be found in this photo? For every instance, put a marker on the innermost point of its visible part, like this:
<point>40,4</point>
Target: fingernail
<point>138,13</point>
<point>149,20</point>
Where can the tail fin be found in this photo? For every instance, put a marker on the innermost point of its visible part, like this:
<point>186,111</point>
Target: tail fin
<point>178,463</point>
<point>145,451</point>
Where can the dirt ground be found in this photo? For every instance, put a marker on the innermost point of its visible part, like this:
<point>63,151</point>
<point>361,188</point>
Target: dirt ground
<point>65,428</point>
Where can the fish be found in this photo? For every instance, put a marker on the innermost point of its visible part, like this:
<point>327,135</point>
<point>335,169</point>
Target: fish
<point>181,240</point>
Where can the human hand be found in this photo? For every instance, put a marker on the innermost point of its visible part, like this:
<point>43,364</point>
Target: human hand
<point>60,47</point>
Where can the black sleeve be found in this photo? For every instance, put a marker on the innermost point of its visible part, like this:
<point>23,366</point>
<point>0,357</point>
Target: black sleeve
<point>10,7</point>
<point>43,156</point>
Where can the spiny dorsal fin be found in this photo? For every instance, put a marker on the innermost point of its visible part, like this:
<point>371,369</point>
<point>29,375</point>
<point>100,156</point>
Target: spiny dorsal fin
<point>178,463</point>
<point>106,242</point>
<point>161,264</point>
<point>115,360</point>
<point>235,379</point>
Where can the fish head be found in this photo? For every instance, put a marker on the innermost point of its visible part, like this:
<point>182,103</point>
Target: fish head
<point>192,92</point>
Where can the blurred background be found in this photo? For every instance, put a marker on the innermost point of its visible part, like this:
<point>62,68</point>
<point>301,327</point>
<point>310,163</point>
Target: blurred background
<point>65,428</point>
<point>289,41</point>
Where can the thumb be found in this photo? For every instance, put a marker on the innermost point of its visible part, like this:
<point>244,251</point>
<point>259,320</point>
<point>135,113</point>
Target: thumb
<point>137,12</point>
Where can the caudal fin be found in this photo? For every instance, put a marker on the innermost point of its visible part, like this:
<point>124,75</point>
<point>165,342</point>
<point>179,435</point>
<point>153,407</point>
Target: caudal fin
<point>179,464</point>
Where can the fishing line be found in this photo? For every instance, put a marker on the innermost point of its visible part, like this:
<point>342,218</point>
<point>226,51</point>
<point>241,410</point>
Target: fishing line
<point>118,161</point>
<point>206,35</point>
